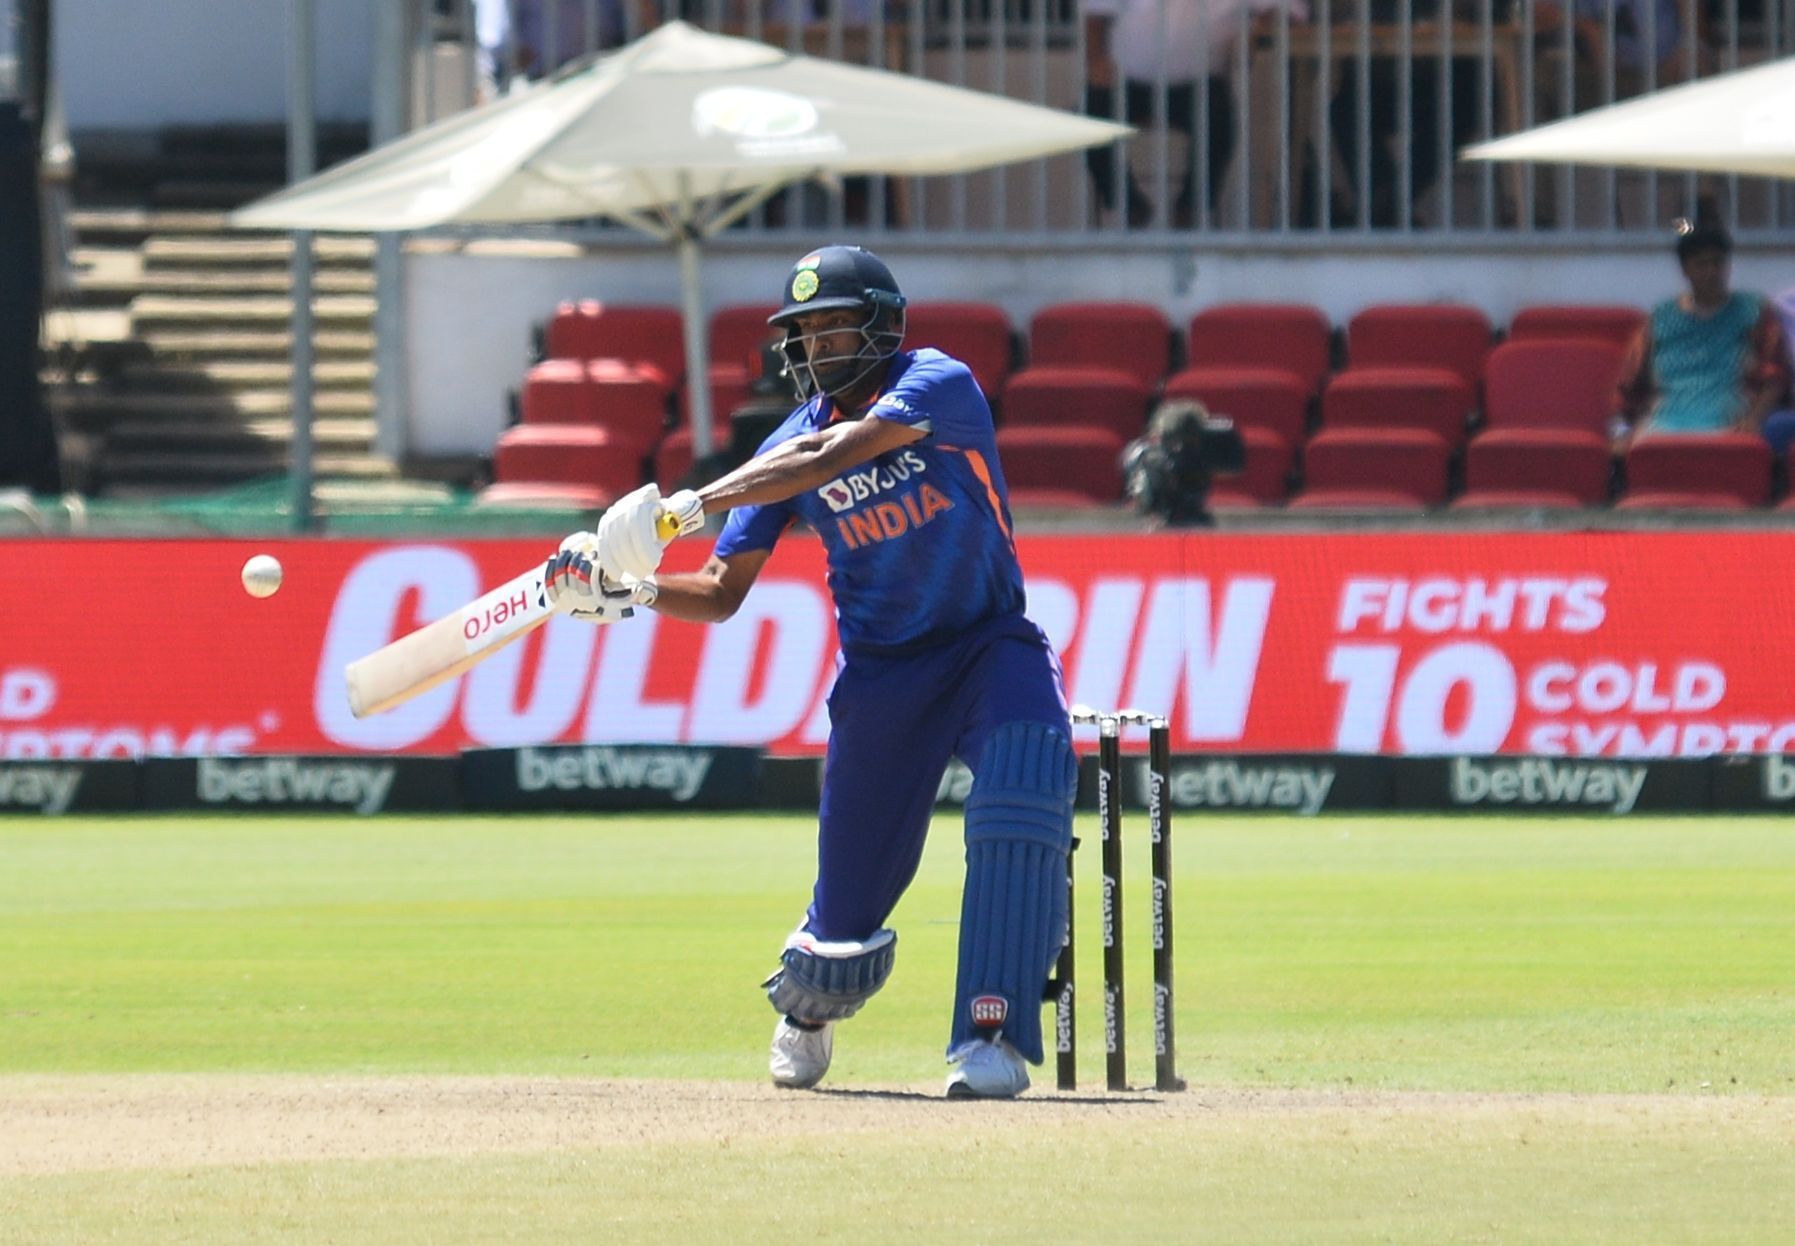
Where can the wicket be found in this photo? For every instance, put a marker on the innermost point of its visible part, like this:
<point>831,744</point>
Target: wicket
<point>1063,987</point>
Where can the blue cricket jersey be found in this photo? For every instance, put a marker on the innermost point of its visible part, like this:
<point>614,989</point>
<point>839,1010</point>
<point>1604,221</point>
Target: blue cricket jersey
<point>919,538</point>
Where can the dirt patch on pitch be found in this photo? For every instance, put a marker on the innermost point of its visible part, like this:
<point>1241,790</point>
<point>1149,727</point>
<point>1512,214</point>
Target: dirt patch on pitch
<point>54,1124</point>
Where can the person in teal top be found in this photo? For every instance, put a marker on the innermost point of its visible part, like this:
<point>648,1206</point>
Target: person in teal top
<point>1712,359</point>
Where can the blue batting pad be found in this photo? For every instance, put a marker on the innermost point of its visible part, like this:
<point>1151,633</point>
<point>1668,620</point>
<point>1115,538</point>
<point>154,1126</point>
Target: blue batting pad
<point>1013,912</point>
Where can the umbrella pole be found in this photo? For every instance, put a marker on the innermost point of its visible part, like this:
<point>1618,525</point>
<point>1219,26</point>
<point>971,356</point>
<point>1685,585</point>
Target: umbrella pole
<point>302,161</point>
<point>698,389</point>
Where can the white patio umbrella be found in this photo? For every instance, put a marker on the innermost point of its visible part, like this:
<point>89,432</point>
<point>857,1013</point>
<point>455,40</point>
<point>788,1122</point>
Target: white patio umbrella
<point>1740,122</point>
<point>679,134</point>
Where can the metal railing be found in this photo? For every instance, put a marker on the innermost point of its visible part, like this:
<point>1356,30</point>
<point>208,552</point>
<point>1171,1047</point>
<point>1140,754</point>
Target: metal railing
<point>1291,122</point>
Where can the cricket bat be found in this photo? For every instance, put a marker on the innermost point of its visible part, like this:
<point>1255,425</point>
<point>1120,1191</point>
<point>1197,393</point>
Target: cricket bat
<point>437,652</point>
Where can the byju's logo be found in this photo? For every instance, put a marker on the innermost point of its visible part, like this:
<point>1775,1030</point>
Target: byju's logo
<point>845,492</point>
<point>837,495</point>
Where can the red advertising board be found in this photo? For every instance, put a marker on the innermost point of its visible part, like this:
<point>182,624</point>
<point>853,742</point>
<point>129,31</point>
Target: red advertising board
<point>1577,644</point>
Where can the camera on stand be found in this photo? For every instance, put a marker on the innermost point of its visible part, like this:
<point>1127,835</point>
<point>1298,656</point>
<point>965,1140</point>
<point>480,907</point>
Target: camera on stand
<point>1168,472</point>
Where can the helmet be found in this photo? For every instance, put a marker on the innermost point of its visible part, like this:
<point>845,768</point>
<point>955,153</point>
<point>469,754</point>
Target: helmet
<point>832,279</point>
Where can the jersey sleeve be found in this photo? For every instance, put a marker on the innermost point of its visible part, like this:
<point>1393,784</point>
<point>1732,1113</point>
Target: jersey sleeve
<point>937,395</point>
<point>753,528</point>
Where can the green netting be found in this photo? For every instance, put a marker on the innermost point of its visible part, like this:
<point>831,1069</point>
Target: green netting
<point>265,507</point>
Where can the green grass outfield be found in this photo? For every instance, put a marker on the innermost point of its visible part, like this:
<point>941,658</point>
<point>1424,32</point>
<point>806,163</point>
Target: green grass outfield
<point>1395,1029</point>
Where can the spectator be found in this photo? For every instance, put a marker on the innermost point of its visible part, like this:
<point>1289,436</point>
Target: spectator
<point>1711,359</point>
<point>1388,105</point>
<point>1647,34</point>
<point>533,38</point>
<point>1178,46</point>
<point>1785,307</point>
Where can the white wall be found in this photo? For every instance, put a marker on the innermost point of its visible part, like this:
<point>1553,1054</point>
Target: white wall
<point>141,64</point>
<point>470,315</point>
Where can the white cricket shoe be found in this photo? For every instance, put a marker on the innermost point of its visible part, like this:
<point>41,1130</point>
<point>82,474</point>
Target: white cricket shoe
<point>800,1056</point>
<point>987,1070</point>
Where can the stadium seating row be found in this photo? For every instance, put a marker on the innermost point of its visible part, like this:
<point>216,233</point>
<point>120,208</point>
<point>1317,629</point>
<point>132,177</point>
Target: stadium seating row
<point>1411,400</point>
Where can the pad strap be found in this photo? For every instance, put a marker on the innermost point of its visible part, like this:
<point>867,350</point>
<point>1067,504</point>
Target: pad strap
<point>822,981</point>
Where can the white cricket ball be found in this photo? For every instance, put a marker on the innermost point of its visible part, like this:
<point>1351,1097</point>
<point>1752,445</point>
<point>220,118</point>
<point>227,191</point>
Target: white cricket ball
<point>261,576</point>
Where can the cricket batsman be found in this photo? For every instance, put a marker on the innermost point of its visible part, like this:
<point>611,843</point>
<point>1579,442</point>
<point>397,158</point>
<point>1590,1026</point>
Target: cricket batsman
<point>937,661</point>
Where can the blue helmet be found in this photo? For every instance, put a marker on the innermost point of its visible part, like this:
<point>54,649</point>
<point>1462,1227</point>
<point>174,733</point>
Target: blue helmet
<point>832,279</point>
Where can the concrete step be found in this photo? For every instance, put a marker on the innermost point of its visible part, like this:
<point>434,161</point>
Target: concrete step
<point>83,325</point>
<point>266,344</point>
<point>151,376</point>
<point>204,251</point>
<point>122,285</point>
<point>334,139</point>
<point>100,408</point>
<point>184,470</point>
<point>382,494</point>
<point>164,313</point>
<point>130,226</point>
<point>212,193</point>
<point>329,436</point>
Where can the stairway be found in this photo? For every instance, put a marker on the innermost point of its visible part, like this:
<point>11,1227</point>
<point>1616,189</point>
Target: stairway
<point>174,352</point>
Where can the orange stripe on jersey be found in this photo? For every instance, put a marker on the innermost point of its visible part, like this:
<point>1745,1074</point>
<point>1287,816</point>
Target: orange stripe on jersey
<point>982,470</point>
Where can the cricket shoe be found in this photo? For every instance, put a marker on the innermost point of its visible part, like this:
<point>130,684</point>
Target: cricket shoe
<point>987,1069</point>
<point>801,1053</point>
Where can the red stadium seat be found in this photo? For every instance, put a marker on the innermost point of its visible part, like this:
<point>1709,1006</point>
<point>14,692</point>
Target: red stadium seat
<point>1607,322</point>
<point>632,400</point>
<point>1268,398</point>
<point>1551,384</point>
<point>1373,468</point>
<point>674,458</point>
<point>567,454</point>
<point>1266,480</point>
<point>1292,336</point>
<point>1546,407</point>
<point>628,399</point>
<point>1698,468</point>
<point>1085,462</point>
<point>634,334</point>
<point>727,393</point>
<point>1680,500</point>
<point>1504,465</point>
<point>1426,335</point>
<point>1054,499</point>
<point>1516,499</point>
<point>977,334</point>
<point>737,334</point>
<point>1077,397</point>
<point>1433,399</point>
<point>1135,337</point>
<point>558,391</point>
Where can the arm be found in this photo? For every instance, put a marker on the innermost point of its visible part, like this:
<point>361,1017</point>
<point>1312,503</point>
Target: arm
<point>713,593</point>
<point>1099,69</point>
<point>806,462</point>
<point>1767,369</point>
<point>1635,387</point>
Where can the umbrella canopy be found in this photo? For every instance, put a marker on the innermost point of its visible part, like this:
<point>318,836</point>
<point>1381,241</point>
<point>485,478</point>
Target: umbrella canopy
<point>679,134</point>
<point>1741,122</point>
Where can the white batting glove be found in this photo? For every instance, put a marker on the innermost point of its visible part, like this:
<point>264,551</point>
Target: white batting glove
<point>630,537</point>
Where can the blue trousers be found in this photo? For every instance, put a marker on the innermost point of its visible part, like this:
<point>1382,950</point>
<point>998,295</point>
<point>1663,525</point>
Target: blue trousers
<point>894,724</point>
